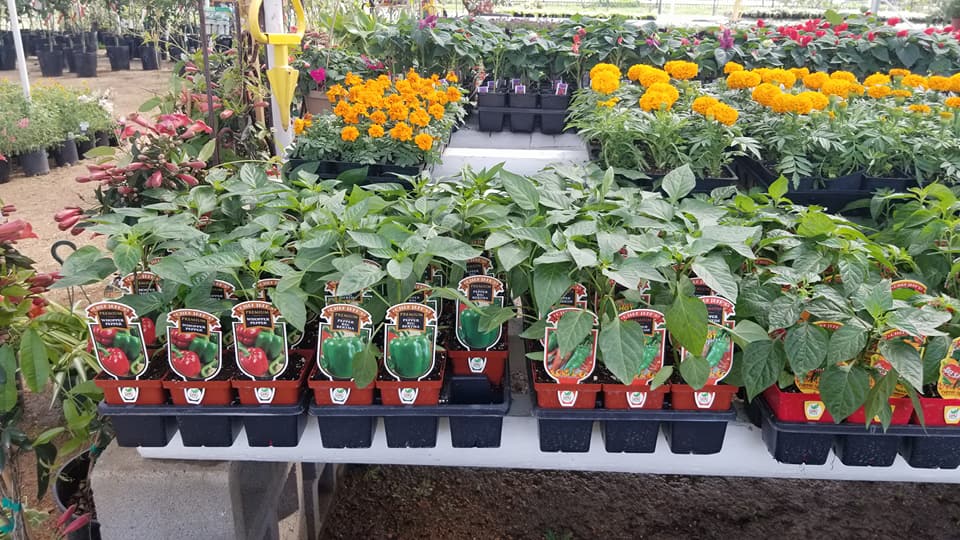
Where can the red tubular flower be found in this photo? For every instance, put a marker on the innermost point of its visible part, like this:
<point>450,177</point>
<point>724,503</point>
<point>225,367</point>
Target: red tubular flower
<point>760,23</point>
<point>821,33</point>
<point>67,213</point>
<point>188,179</point>
<point>12,231</point>
<point>68,223</point>
<point>8,209</point>
<point>155,180</point>
<point>929,31</point>
<point>840,27</point>
<point>871,36</point>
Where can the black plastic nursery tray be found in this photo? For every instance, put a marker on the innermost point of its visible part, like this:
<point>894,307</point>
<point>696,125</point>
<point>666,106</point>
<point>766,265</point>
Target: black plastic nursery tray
<point>858,445</point>
<point>474,407</point>
<point>265,425</point>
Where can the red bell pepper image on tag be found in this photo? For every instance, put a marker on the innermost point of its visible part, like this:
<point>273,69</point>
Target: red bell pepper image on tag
<point>948,384</point>
<point>260,340</point>
<point>577,364</point>
<point>654,327</point>
<point>118,341</point>
<point>140,283</point>
<point>718,349</point>
<point>482,291</point>
<point>194,344</point>
<point>410,341</point>
<point>344,331</point>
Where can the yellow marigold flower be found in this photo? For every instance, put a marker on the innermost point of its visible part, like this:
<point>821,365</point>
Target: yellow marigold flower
<point>946,115</point>
<point>898,72</point>
<point>876,79</point>
<point>336,91</point>
<point>402,132</point>
<point>665,88</point>
<point>681,69</point>
<point>955,83</point>
<point>398,112</point>
<point>634,72</point>
<point>779,76</point>
<point>802,104</point>
<point>799,73</point>
<point>814,81</point>
<point>782,103</point>
<point>857,88</point>
<point>420,118</point>
<point>378,117</point>
<point>817,100</point>
<point>914,81</point>
<point>608,103</point>
<point>436,110</point>
<point>375,131</point>
<point>703,103</point>
<point>299,125</point>
<point>920,108</point>
<point>604,83</point>
<point>879,92</point>
<point>649,77</point>
<point>723,113</point>
<point>743,79</point>
<point>939,83</point>
<point>424,141</point>
<point>765,94</point>
<point>351,79</point>
<point>901,93</point>
<point>731,67</point>
<point>453,94</point>
<point>352,117</point>
<point>952,102</point>
<point>605,68</point>
<point>836,87</point>
<point>349,133</point>
<point>761,71</point>
<point>843,76</point>
<point>452,77</point>
<point>342,108</point>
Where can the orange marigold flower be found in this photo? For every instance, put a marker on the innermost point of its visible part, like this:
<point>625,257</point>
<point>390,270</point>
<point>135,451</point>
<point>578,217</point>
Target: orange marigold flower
<point>901,93</point>
<point>378,117</point>
<point>914,81</point>
<point>437,111</point>
<point>814,81</point>
<point>402,132</point>
<point>420,118</point>
<point>952,102</point>
<point>843,76</point>
<point>779,76</point>
<point>946,115</point>
<point>605,68</point>
<point>898,72</point>
<point>703,103</point>
<point>452,77</point>
<point>955,83</point>
<point>920,109</point>
<point>681,69</point>
<point>424,141</point>
<point>349,133</point>
<point>453,94</point>
<point>743,79</point>
<point>765,93</point>
<point>605,82</point>
<point>375,131</point>
<point>398,112</point>
<point>876,79</point>
<point>723,113</point>
<point>939,83</point>
<point>836,87</point>
<point>608,103</point>
<point>799,73</point>
<point>817,100</point>
<point>879,92</point>
<point>634,72</point>
<point>651,76</point>
<point>731,67</point>
<point>352,79</point>
<point>342,108</point>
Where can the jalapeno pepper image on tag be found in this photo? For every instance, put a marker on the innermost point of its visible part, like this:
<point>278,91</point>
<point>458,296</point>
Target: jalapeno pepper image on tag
<point>718,348</point>
<point>651,347</point>
<point>577,364</point>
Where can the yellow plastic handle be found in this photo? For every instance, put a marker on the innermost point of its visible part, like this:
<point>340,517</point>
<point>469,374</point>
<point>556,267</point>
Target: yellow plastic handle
<point>253,18</point>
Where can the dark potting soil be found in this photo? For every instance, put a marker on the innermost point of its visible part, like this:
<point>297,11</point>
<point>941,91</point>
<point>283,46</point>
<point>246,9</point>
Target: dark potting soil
<point>84,500</point>
<point>451,503</point>
<point>294,365</point>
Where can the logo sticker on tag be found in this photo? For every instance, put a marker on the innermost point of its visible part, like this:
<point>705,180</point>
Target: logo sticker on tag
<point>339,396</point>
<point>635,400</point>
<point>193,395</point>
<point>567,398</point>
<point>951,415</point>
<point>129,394</point>
<point>265,395</point>
<point>408,396</point>
<point>477,365</point>
<point>704,399</point>
<point>813,410</point>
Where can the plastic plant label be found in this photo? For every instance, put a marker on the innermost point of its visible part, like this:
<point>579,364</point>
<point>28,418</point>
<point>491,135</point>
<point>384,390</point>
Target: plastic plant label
<point>951,415</point>
<point>194,396</point>
<point>117,339</point>
<point>519,89</point>
<point>704,400</point>
<point>813,410</point>
<point>624,304</point>
<point>483,89</point>
<point>223,290</point>
<point>140,283</point>
<point>410,341</point>
<point>700,288</point>
<point>482,291</point>
<point>339,396</point>
<point>263,286</point>
<point>576,296</point>
<point>344,331</point>
<point>905,288</point>
<point>129,394</point>
<point>883,366</point>
<point>718,350</point>
<point>194,344</point>
<point>514,82</point>
<point>421,295</point>
<point>575,365</point>
<point>636,400</point>
<point>948,384</point>
<point>654,344</point>
<point>809,383</point>
<point>567,398</point>
<point>478,266</point>
<point>408,396</point>
<point>260,340</point>
<point>477,364</point>
<point>562,88</point>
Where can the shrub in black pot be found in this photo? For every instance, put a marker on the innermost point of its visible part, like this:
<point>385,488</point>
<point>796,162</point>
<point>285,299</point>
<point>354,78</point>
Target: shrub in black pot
<point>119,56</point>
<point>71,488</point>
<point>149,57</point>
<point>65,153</point>
<point>35,163</point>
<point>8,56</point>
<point>51,62</point>
<point>85,63</point>
<point>522,121</point>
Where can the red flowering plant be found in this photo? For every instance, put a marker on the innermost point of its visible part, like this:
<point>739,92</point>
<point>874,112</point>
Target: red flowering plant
<point>161,157</point>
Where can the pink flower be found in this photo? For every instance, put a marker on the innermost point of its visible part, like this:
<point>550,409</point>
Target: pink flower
<point>893,21</point>
<point>19,229</point>
<point>929,31</point>
<point>318,75</point>
<point>902,33</point>
<point>871,36</point>
<point>760,23</point>
<point>23,123</point>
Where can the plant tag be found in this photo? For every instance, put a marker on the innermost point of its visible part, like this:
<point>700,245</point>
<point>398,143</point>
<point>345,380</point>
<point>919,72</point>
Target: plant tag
<point>421,295</point>
<point>654,343</point>
<point>718,350</point>
<point>576,296</point>
<point>951,415</point>
<point>813,410</point>
<point>704,400</point>
<point>117,340</point>
<point>339,396</point>
<point>567,398</point>
<point>636,400</point>
<point>700,288</point>
<point>410,341</point>
<point>948,384</point>
<point>408,396</point>
<point>514,82</point>
<point>477,364</point>
<point>519,89</point>
<point>194,344</point>
<point>905,288</point>
<point>482,291</point>
<point>262,287</point>
<point>344,331</point>
<point>260,339</point>
<point>492,86</point>
<point>129,394</point>
<point>265,395</point>
<point>140,283</point>
<point>561,89</point>
<point>883,366</point>
<point>575,365</point>
<point>222,290</point>
<point>483,90</point>
<point>478,266</point>
<point>194,396</point>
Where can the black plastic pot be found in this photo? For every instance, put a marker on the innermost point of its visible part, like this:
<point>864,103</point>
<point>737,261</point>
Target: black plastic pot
<point>931,451</point>
<point>119,57</point>
<point>133,43</point>
<point>84,146</point>
<point>69,59</point>
<point>4,170</point>
<point>552,123</point>
<point>522,122</point>
<point>490,120</point>
<point>65,153</point>
<point>849,182</point>
<point>149,58</point>
<point>376,173</point>
<point>697,432</point>
<point>68,481</point>
<point>85,64</point>
<point>873,183</point>
<point>104,138</point>
<point>706,185</point>
<point>138,425</point>
<point>792,442</point>
<point>35,163</point>
<point>51,62</point>
<point>8,56</point>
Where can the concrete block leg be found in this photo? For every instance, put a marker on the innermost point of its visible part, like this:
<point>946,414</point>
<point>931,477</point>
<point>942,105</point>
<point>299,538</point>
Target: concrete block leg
<point>145,499</point>
<point>316,485</point>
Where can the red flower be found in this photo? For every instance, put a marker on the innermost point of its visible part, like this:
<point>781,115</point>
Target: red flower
<point>804,40</point>
<point>825,24</point>
<point>821,33</point>
<point>840,27</point>
<point>871,36</point>
<point>893,21</point>
<point>929,31</point>
<point>902,33</point>
<point>760,23</point>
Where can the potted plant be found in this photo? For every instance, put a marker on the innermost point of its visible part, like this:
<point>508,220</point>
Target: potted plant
<point>321,67</point>
<point>36,131</point>
<point>952,11</point>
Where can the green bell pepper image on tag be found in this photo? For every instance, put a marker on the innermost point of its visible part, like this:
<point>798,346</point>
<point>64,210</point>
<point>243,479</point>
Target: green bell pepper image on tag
<point>410,356</point>
<point>470,331</point>
<point>338,353</point>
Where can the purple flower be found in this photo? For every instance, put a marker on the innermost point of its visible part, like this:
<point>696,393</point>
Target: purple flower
<point>430,21</point>
<point>726,40</point>
<point>653,41</point>
<point>318,75</point>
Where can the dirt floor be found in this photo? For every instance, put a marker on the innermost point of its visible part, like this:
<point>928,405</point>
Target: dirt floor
<point>425,502</point>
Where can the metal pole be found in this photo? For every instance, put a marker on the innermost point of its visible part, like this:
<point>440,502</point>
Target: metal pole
<point>211,114</point>
<point>18,45</point>
<point>875,7</point>
<point>273,22</point>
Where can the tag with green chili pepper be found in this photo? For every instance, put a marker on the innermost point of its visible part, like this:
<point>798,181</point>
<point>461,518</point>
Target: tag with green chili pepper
<point>579,362</point>
<point>718,349</point>
<point>649,358</point>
